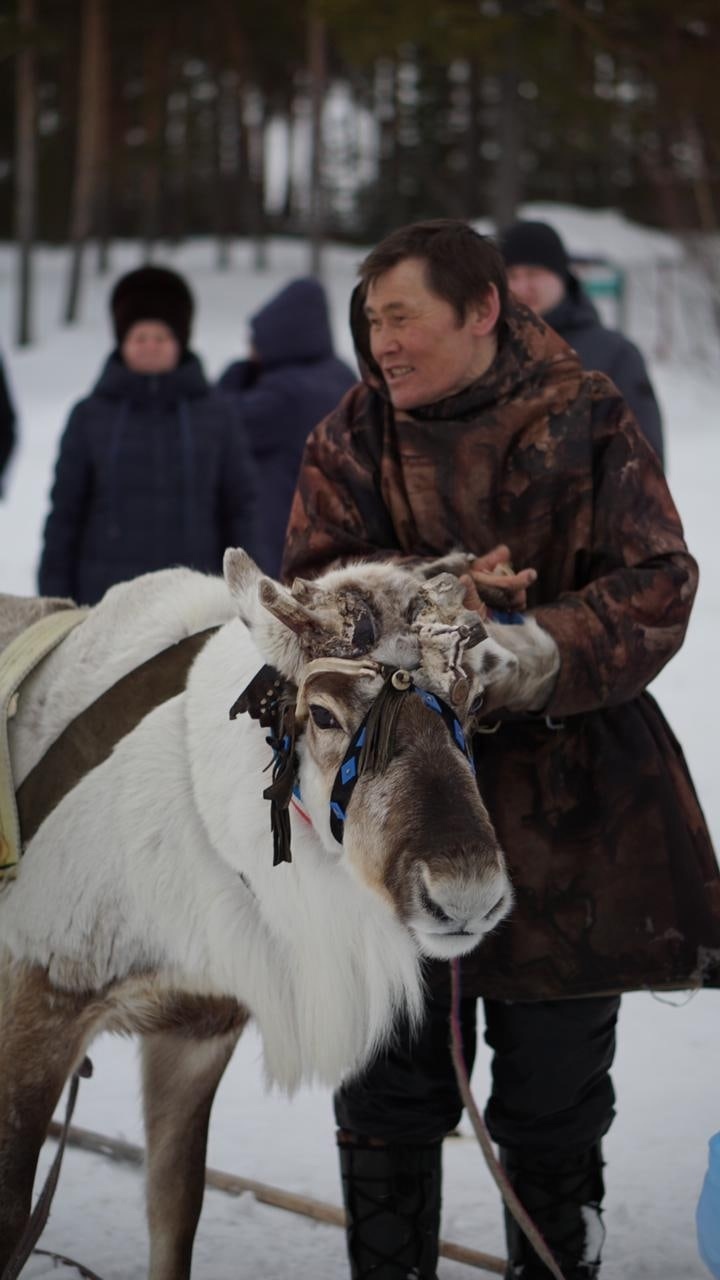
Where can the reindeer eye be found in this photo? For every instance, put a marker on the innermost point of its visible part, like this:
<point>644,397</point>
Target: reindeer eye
<point>477,704</point>
<point>323,718</point>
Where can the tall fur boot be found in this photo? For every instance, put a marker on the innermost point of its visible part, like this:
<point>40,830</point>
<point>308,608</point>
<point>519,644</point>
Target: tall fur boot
<point>563,1195</point>
<point>392,1200</point>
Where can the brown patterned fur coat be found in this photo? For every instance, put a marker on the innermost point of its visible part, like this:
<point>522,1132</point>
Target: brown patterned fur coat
<point>616,880</point>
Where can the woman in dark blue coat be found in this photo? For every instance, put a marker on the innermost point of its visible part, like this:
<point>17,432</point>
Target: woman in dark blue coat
<point>292,380</point>
<point>154,468</point>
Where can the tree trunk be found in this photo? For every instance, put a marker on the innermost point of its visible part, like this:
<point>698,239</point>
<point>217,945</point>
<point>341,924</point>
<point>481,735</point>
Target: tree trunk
<point>256,162</point>
<point>25,169</point>
<point>94,17</point>
<point>224,164</point>
<point>290,197</point>
<point>103,167</point>
<point>178,163</point>
<point>507,187</point>
<point>317,74</point>
<point>155,108</point>
<point>472,143</point>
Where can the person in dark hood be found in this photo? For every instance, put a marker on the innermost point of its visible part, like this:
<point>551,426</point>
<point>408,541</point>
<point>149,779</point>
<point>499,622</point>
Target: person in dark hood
<point>153,469</point>
<point>7,424</point>
<point>291,380</point>
<point>475,428</point>
<point>539,275</point>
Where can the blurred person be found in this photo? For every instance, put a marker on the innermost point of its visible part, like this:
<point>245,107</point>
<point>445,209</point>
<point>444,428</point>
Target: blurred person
<point>708,1211</point>
<point>476,428</point>
<point>539,275</point>
<point>153,468</point>
<point>7,423</point>
<point>290,381</point>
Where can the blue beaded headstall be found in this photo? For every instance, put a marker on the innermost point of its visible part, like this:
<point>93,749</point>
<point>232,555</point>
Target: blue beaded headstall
<point>372,746</point>
<point>270,699</point>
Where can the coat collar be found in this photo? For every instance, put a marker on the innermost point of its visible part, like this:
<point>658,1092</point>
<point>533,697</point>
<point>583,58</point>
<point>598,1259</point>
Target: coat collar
<point>117,382</point>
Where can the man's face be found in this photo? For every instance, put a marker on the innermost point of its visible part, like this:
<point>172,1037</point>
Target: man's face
<point>536,287</point>
<point>150,347</point>
<point>424,351</point>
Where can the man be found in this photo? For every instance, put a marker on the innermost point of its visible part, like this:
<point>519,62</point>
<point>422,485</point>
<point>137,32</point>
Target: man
<point>539,275</point>
<point>477,428</point>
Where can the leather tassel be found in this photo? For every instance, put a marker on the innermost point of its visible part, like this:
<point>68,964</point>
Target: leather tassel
<point>380,725</point>
<point>279,793</point>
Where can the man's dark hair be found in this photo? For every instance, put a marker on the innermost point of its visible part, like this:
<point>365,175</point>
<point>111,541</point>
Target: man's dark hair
<point>460,264</point>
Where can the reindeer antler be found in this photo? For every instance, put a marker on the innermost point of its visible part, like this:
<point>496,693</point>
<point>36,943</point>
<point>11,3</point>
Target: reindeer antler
<point>446,629</point>
<point>329,624</point>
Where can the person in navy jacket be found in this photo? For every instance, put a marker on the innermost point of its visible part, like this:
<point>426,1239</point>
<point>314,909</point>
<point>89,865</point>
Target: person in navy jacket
<point>290,382</point>
<point>154,468</point>
<point>539,275</point>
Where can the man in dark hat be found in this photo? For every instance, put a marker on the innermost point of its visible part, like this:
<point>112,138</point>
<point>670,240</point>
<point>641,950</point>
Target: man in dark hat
<point>539,274</point>
<point>154,468</point>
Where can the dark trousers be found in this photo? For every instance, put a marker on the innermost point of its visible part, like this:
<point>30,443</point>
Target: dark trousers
<point>551,1086</point>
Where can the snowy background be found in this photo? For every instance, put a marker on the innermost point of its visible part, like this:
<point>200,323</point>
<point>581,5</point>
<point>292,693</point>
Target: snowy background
<point>668,1064</point>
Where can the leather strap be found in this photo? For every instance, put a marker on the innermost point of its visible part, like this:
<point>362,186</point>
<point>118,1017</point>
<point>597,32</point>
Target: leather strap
<point>90,738</point>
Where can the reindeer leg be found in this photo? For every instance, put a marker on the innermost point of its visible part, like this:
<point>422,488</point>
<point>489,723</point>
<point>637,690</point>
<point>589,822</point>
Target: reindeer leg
<point>180,1078</point>
<point>42,1037</point>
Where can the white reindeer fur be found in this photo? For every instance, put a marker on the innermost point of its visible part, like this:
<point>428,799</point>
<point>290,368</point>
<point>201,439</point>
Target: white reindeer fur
<point>138,868</point>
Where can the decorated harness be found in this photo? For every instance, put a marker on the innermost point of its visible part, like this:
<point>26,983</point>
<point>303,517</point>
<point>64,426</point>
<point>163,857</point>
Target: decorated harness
<point>271,700</point>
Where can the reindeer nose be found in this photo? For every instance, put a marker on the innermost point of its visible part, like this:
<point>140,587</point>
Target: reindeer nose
<point>499,901</point>
<point>469,903</point>
<point>433,908</point>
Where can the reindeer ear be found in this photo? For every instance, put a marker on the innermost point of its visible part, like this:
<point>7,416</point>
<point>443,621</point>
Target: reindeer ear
<point>240,572</point>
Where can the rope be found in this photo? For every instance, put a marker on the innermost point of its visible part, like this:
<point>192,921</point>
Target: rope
<point>38,1218</point>
<point>505,1187</point>
<point>64,1261</point>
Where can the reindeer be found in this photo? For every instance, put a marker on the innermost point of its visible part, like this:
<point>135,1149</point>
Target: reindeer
<point>147,901</point>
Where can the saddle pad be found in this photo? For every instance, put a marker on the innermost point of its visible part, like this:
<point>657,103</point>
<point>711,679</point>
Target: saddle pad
<point>17,661</point>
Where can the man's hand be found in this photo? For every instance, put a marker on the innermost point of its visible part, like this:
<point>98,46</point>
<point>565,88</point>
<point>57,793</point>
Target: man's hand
<point>492,581</point>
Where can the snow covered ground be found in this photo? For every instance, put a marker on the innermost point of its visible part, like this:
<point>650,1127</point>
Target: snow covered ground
<point>668,1064</point>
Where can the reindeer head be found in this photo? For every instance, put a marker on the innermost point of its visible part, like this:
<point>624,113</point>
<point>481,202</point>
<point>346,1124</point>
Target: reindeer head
<point>413,826</point>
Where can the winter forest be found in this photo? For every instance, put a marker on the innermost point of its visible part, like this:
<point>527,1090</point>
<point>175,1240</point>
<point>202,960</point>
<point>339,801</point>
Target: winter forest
<point>245,144</point>
<point>340,118</point>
